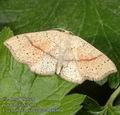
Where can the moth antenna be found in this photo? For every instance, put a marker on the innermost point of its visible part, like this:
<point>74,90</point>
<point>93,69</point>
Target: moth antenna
<point>63,30</point>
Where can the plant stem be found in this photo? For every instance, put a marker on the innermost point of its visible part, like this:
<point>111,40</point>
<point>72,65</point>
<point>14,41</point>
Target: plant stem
<point>113,97</point>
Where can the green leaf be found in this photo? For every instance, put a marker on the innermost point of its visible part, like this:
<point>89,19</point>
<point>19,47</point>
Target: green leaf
<point>97,21</point>
<point>35,94</point>
<point>91,107</point>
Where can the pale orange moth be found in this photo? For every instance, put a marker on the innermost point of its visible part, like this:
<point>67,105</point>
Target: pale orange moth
<point>67,55</point>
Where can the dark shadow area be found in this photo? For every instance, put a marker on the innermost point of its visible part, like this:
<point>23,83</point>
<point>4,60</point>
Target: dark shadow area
<point>117,101</point>
<point>95,91</point>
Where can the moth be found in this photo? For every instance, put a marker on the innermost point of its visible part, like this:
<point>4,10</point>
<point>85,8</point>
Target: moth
<point>59,52</point>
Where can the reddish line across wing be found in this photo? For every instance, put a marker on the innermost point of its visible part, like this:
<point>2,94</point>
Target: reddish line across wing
<point>39,48</point>
<point>90,58</point>
<point>85,59</point>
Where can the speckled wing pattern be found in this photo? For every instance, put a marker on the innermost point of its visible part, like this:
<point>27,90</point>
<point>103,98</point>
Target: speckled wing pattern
<point>53,51</point>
